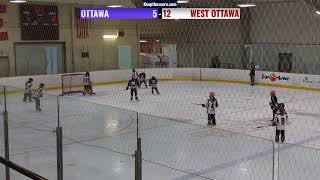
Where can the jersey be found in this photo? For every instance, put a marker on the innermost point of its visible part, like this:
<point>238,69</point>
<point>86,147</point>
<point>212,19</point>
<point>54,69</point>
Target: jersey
<point>153,82</point>
<point>28,87</point>
<point>86,81</point>
<point>211,105</point>
<point>132,84</point>
<point>274,102</point>
<point>252,70</point>
<point>134,75</point>
<point>281,121</point>
<point>38,92</point>
<point>142,76</point>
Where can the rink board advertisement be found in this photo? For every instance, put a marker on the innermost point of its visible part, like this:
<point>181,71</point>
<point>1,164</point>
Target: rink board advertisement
<point>288,80</point>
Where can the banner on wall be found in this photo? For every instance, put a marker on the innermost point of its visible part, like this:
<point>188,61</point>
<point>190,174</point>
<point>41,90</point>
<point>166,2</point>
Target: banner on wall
<point>311,82</point>
<point>82,25</point>
<point>273,77</point>
<point>3,32</point>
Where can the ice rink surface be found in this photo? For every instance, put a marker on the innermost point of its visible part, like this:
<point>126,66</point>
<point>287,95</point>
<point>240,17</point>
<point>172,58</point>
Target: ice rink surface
<point>100,133</point>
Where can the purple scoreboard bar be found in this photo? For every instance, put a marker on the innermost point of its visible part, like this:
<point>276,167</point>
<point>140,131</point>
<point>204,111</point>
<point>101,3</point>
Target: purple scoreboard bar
<point>119,13</point>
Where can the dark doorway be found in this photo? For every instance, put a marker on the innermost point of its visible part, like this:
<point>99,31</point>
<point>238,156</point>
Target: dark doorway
<point>285,62</point>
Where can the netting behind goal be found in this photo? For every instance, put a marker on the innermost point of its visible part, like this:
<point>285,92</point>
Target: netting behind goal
<point>72,83</point>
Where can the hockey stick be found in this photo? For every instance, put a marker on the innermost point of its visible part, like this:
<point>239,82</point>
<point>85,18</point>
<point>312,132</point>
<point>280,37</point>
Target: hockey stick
<point>197,104</point>
<point>264,126</point>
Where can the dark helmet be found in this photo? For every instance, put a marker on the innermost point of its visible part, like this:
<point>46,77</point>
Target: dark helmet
<point>133,70</point>
<point>87,73</point>
<point>41,84</point>
<point>30,79</point>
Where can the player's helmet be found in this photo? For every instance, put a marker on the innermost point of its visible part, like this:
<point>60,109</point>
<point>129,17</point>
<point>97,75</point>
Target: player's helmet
<point>41,84</point>
<point>211,94</point>
<point>272,92</point>
<point>30,79</point>
<point>87,74</point>
<point>133,70</point>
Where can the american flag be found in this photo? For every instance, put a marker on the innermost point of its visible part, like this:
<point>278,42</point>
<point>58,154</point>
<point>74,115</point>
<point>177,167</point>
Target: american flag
<point>82,25</point>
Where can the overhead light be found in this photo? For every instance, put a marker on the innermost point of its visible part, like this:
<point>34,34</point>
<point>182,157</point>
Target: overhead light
<point>158,40</point>
<point>115,6</point>
<point>246,5</point>
<point>182,1</point>
<point>143,41</point>
<point>18,1</point>
<point>110,36</point>
<point>318,12</point>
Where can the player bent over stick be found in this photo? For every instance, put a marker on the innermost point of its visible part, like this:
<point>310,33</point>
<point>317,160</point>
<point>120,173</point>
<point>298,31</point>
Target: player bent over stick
<point>37,95</point>
<point>153,83</point>
<point>211,105</point>
<point>28,90</point>
<point>142,79</point>
<point>280,122</point>
<point>133,85</point>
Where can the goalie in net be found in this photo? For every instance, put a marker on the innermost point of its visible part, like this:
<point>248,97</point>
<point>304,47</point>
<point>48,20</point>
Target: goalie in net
<point>76,83</point>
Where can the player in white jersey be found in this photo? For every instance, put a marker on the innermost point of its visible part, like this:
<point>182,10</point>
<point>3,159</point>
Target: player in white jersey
<point>211,106</point>
<point>280,122</point>
<point>134,74</point>
<point>87,84</point>
<point>37,95</point>
<point>28,90</point>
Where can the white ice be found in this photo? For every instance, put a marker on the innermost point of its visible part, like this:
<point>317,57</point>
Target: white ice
<point>100,134</point>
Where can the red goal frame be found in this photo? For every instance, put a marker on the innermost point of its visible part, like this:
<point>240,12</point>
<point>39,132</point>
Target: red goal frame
<point>70,91</point>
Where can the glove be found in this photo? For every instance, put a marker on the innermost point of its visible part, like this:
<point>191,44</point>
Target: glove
<point>203,105</point>
<point>127,88</point>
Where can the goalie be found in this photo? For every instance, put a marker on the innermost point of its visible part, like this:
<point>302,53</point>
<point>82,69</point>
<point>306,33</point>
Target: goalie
<point>211,106</point>
<point>87,84</point>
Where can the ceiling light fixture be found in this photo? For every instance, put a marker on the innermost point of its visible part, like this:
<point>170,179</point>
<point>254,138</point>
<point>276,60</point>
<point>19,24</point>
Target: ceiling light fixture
<point>18,1</point>
<point>246,5</point>
<point>143,41</point>
<point>110,36</point>
<point>318,12</point>
<point>182,1</point>
<point>115,6</point>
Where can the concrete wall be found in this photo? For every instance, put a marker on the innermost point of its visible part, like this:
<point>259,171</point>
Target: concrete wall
<point>103,53</point>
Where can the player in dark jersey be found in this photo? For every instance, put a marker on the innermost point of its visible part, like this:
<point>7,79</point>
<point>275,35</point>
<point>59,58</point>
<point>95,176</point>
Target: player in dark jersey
<point>132,85</point>
<point>273,104</point>
<point>28,90</point>
<point>252,73</point>
<point>153,83</point>
<point>142,79</point>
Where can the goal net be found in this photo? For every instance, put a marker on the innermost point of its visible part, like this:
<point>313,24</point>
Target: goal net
<point>72,83</point>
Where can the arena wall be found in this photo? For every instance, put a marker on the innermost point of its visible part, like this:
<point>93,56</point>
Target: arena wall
<point>263,78</point>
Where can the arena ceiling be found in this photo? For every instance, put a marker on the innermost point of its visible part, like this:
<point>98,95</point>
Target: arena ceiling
<point>124,3</point>
<point>192,3</point>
